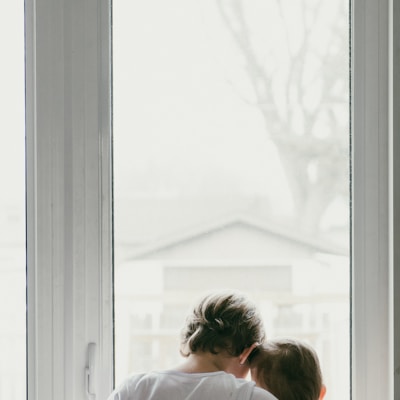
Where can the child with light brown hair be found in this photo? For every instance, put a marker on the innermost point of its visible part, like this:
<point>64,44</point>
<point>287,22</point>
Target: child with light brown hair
<point>289,369</point>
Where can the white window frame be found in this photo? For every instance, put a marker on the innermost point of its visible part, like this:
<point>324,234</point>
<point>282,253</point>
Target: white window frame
<point>69,186</point>
<point>375,309</point>
<point>394,190</point>
<point>69,198</point>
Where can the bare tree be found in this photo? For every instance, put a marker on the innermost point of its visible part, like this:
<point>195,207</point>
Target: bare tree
<point>314,158</point>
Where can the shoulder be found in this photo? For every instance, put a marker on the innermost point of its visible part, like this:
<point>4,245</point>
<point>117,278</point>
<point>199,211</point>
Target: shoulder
<point>248,390</point>
<point>261,394</point>
<point>124,390</point>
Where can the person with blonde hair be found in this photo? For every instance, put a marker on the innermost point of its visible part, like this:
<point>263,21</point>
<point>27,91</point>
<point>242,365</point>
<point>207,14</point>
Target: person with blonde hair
<point>217,338</point>
<point>289,369</point>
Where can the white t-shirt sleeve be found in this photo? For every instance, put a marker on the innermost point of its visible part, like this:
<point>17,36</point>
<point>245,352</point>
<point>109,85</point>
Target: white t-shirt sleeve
<point>261,394</point>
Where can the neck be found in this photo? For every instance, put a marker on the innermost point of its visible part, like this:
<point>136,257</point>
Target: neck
<point>201,362</point>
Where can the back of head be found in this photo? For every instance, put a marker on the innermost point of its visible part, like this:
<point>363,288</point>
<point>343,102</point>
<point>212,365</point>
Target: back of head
<point>289,369</point>
<point>222,321</point>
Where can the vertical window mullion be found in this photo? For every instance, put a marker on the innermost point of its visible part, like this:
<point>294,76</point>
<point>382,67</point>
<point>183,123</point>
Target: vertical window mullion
<point>68,123</point>
<point>394,70</point>
<point>371,219</point>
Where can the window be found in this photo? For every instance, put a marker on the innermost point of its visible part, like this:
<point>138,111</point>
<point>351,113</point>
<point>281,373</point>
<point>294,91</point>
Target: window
<point>68,124</point>
<point>231,155</point>
<point>69,218</point>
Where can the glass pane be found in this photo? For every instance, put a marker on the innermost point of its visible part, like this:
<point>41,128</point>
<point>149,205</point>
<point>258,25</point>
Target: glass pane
<point>231,132</point>
<point>12,206</point>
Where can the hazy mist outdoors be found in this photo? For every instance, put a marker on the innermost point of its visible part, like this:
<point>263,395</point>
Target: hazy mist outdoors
<point>231,132</point>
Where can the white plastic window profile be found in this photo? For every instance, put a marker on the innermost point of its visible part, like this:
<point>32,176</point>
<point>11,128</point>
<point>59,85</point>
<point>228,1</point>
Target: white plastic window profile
<point>69,199</point>
<point>394,190</point>
<point>373,204</point>
<point>69,253</point>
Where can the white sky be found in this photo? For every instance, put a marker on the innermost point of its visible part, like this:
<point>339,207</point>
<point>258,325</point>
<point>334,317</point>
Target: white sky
<point>185,121</point>
<point>176,110</point>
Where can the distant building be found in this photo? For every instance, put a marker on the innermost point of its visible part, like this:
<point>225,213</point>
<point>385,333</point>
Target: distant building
<point>300,284</point>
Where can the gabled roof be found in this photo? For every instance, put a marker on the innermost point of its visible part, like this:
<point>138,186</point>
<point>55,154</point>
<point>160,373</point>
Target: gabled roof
<point>224,223</point>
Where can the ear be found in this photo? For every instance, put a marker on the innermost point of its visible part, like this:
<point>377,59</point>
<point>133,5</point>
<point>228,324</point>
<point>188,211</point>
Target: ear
<point>246,352</point>
<point>323,392</point>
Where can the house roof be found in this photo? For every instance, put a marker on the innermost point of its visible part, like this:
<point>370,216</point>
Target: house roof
<point>223,224</point>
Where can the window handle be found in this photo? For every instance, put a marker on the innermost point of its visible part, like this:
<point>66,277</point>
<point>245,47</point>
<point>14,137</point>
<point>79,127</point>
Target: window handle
<point>90,371</point>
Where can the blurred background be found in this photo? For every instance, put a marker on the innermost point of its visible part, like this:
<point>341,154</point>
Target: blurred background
<point>231,169</point>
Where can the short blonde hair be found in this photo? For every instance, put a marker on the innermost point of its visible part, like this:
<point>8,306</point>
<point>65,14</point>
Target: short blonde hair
<point>288,368</point>
<point>222,321</point>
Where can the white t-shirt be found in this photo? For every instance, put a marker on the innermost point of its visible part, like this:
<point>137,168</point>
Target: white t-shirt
<point>173,385</point>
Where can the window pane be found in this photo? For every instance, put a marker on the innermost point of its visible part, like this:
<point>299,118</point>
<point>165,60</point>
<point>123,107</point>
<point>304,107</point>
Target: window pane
<point>12,206</point>
<point>231,132</point>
